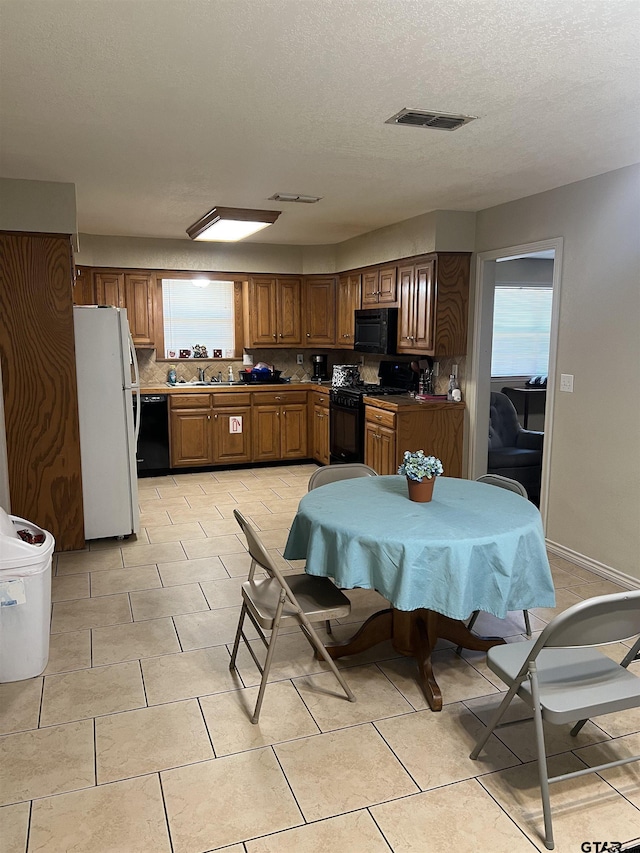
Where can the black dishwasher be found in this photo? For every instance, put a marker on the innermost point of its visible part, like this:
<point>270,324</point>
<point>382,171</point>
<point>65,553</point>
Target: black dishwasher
<point>153,441</point>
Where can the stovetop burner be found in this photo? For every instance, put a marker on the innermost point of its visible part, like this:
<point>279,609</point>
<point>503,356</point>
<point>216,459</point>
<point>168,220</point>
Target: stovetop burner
<point>368,390</point>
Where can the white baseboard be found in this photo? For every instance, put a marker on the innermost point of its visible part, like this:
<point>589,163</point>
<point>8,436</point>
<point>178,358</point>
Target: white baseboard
<point>594,566</point>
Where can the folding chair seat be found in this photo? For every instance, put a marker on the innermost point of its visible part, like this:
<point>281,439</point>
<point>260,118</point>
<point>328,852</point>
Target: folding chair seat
<point>275,601</point>
<point>564,679</point>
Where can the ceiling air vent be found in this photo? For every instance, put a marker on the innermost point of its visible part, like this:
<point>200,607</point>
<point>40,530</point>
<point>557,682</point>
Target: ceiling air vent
<point>426,118</point>
<point>300,199</point>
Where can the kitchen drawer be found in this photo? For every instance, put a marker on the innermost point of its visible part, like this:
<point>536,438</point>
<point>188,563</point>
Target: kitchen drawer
<point>380,417</point>
<point>279,398</point>
<point>319,398</point>
<point>232,399</point>
<point>190,401</point>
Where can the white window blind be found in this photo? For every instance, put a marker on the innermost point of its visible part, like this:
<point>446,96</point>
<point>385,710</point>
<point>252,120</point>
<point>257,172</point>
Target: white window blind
<point>198,314</point>
<point>521,329</point>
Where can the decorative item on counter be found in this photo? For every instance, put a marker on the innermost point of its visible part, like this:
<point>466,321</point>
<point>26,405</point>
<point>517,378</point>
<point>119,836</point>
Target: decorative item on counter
<point>171,353</point>
<point>230,377</point>
<point>200,351</point>
<point>216,353</point>
<point>185,353</point>
<point>345,376</point>
<point>421,472</point>
<point>454,394</point>
<point>172,376</point>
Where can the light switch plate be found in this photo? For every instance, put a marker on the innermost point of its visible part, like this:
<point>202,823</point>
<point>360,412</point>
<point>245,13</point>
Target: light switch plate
<point>566,381</point>
<point>299,358</point>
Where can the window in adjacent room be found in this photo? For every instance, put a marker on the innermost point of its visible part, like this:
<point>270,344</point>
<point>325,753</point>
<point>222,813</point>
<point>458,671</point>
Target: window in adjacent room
<point>198,312</point>
<point>521,330</point>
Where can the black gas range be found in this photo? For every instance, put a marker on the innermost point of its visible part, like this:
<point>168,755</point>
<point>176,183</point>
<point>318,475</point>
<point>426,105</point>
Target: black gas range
<point>346,423</point>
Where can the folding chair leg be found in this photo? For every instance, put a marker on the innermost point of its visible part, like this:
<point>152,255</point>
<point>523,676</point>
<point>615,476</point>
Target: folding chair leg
<point>236,642</point>
<point>265,671</point>
<point>499,714</point>
<point>315,640</point>
<point>527,622</point>
<point>543,773</point>
<point>470,625</point>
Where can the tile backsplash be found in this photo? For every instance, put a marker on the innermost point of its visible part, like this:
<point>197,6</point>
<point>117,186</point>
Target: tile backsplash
<point>153,373</point>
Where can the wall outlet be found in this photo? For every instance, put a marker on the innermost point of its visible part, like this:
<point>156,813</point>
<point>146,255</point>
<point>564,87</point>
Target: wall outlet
<point>454,370</point>
<point>299,358</point>
<point>566,381</point>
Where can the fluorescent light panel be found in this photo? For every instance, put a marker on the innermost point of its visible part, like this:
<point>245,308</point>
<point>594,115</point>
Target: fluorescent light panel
<point>230,224</point>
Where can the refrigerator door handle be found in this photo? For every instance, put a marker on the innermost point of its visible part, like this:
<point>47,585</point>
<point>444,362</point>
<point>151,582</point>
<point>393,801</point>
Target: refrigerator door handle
<point>136,388</point>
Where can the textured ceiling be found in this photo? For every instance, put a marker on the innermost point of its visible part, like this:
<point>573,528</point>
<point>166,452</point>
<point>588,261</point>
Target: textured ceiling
<point>158,110</point>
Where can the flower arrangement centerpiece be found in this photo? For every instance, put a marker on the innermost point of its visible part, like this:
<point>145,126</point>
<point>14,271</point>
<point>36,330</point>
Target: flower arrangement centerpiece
<point>421,472</point>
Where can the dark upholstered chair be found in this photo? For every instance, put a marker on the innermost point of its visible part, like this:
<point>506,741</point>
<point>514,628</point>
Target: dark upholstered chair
<point>514,452</point>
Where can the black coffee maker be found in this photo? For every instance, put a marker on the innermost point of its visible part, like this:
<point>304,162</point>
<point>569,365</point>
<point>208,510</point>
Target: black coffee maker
<point>319,363</point>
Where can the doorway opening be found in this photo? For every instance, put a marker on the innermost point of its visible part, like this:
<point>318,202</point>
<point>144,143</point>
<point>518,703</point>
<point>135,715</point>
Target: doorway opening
<point>515,344</point>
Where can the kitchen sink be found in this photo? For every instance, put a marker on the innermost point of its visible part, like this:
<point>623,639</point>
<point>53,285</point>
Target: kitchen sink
<point>197,383</point>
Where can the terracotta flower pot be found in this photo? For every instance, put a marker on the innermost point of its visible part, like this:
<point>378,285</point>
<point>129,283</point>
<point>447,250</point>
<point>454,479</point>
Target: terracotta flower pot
<point>421,490</point>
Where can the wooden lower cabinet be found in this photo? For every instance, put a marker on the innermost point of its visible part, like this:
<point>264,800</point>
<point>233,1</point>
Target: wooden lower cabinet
<point>392,428</point>
<point>209,429</point>
<point>279,425</point>
<point>232,434</point>
<point>190,438</point>
<point>380,441</point>
<point>319,426</point>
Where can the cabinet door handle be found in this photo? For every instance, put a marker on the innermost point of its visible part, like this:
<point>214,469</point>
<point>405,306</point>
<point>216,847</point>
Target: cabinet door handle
<point>215,417</point>
<point>278,398</point>
<point>274,335</point>
<point>308,334</point>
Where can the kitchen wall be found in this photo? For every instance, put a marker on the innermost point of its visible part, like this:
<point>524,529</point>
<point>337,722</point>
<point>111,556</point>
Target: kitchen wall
<point>153,374</point>
<point>594,489</point>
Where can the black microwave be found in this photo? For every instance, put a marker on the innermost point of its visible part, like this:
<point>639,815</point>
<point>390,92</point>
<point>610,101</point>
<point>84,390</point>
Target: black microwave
<point>376,330</point>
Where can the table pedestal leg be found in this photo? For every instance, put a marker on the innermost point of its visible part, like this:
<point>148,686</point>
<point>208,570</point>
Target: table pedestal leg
<point>414,633</point>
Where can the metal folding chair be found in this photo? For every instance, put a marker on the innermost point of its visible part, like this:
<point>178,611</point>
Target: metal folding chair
<point>564,679</point>
<point>519,489</point>
<point>333,473</point>
<point>275,600</point>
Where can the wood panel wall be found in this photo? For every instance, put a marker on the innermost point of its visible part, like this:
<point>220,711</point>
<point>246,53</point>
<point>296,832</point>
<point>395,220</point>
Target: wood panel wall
<point>37,358</point>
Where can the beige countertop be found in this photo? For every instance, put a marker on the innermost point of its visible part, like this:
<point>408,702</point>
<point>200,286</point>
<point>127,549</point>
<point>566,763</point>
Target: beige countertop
<point>397,402</point>
<point>186,388</point>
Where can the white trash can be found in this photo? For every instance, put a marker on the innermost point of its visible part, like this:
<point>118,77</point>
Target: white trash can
<point>25,598</point>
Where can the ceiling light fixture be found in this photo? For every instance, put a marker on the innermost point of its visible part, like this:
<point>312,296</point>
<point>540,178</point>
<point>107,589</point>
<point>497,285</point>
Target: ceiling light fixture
<point>231,223</point>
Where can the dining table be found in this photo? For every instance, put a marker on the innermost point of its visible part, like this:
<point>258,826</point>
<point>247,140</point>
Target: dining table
<point>473,547</point>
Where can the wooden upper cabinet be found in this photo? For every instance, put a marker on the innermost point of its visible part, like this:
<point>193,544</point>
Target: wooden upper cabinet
<point>380,286</point>
<point>135,292</point>
<point>289,311</point>
<point>83,289</point>
<point>348,300</point>
<point>272,310</point>
<point>320,311</point>
<point>139,289</point>
<point>434,302</point>
<point>109,288</point>
<point>415,321</point>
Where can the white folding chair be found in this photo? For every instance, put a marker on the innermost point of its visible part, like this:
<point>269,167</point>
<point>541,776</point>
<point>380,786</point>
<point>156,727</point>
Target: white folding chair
<point>275,600</point>
<point>519,489</point>
<point>564,679</point>
<point>333,473</point>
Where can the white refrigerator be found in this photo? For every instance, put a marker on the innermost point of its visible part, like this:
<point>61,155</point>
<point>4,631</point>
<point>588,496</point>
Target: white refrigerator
<point>108,379</point>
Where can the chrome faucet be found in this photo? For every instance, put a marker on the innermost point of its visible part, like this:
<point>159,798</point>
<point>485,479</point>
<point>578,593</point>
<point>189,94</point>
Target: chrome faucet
<point>202,374</point>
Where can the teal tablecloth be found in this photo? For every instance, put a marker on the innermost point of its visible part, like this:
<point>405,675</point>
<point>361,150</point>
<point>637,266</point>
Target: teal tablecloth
<point>473,547</point>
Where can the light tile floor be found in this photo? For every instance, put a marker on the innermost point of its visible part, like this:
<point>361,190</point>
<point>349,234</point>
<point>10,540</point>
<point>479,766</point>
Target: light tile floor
<point>137,737</point>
